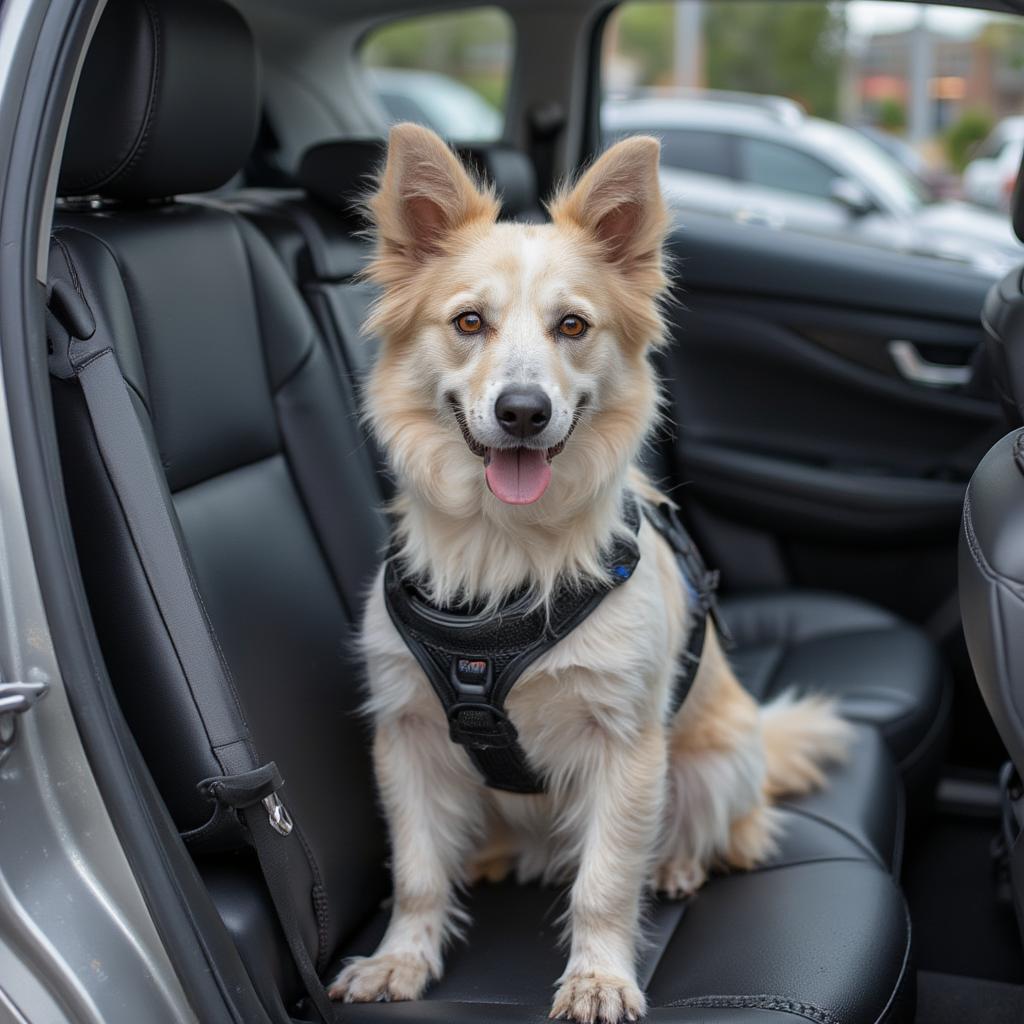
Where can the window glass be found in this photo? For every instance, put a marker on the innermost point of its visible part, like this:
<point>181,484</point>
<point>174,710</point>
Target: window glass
<point>698,151</point>
<point>915,110</point>
<point>448,72</point>
<point>771,165</point>
<point>706,152</point>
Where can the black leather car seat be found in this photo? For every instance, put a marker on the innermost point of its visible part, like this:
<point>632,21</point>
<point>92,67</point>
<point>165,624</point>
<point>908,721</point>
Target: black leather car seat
<point>276,506</point>
<point>882,670</point>
<point>992,608</point>
<point>992,553</point>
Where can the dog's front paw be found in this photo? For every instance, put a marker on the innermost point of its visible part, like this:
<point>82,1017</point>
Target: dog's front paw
<point>593,998</point>
<point>381,979</point>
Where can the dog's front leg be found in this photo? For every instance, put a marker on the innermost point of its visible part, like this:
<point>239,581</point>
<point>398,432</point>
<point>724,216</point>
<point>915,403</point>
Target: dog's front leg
<point>623,797</point>
<point>431,803</point>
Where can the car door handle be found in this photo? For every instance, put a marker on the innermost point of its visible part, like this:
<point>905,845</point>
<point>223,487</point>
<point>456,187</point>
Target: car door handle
<point>914,367</point>
<point>762,218</point>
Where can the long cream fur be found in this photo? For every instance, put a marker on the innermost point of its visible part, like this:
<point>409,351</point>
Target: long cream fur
<point>631,801</point>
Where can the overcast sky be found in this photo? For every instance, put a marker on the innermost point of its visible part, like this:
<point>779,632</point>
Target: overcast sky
<point>866,17</point>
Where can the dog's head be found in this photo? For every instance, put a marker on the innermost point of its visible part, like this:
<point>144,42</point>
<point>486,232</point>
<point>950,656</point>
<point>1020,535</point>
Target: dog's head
<point>514,357</point>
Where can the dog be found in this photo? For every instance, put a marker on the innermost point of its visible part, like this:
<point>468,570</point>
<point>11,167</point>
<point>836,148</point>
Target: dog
<point>499,495</point>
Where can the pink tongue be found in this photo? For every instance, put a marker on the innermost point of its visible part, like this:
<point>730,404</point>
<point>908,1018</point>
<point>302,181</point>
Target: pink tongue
<point>517,476</point>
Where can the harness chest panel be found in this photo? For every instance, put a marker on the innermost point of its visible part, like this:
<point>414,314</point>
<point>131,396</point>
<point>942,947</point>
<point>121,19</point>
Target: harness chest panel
<point>472,661</point>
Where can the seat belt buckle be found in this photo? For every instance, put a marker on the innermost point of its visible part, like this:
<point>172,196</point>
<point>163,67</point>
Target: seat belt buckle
<point>259,786</point>
<point>278,816</point>
<point>480,726</point>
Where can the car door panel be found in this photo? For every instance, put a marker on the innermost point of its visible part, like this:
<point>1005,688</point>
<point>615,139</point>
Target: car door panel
<point>717,253</point>
<point>800,455</point>
<point>794,431</point>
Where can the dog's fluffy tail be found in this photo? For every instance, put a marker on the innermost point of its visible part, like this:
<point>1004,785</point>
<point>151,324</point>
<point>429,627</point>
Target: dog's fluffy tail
<point>802,735</point>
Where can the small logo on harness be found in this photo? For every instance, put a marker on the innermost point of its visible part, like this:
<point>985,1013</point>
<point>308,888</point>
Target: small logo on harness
<point>474,667</point>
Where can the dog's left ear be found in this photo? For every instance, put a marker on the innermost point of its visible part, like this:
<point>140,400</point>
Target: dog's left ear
<point>619,201</point>
<point>424,194</point>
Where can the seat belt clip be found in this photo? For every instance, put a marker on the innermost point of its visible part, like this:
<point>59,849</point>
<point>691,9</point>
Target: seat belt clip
<point>245,789</point>
<point>278,816</point>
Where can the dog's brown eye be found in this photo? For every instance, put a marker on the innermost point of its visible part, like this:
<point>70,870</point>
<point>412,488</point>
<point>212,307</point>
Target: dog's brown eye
<point>469,323</point>
<point>572,326</point>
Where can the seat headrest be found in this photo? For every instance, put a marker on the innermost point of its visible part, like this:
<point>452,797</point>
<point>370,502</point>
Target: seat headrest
<point>339,174</point>
<point>512,173</point>
<point>168,101</point>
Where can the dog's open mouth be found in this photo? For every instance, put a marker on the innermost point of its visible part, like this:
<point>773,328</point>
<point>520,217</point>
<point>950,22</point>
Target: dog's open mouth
<point>519,475</point>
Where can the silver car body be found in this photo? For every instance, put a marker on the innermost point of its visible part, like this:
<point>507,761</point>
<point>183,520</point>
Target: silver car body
<point>859,193</point>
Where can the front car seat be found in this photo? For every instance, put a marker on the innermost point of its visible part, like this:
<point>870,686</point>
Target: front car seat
<point>992,553</point>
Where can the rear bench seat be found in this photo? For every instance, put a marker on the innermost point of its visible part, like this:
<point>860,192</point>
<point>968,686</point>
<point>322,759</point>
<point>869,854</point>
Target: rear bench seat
<point>276,504</point>
<point>884,672</point>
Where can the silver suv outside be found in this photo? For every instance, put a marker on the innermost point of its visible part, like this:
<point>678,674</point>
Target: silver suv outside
<point>762,160</point>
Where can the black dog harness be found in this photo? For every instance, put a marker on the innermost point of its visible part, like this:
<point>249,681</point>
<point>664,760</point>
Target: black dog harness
<point>473,660</point>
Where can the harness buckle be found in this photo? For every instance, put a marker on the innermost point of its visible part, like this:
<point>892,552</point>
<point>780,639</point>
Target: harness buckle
<point>480,726</point>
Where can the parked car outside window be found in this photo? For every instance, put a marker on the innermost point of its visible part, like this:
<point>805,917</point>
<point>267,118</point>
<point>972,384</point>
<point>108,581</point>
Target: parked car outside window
<point>814,118</point>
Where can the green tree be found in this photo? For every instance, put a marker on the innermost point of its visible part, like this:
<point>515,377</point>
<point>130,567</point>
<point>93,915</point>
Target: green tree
<point>892,115</point>
<point>643,33</point>
<point>792,49</point>
<point>472,46</point>
<point>777,47</point>
<point>964,133</point>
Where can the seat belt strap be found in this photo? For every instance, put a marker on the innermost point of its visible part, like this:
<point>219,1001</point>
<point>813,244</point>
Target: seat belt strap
<point>88,356</point>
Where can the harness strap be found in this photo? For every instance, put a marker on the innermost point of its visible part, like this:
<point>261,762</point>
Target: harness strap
<point>702,587</point>
<point>473,661</point>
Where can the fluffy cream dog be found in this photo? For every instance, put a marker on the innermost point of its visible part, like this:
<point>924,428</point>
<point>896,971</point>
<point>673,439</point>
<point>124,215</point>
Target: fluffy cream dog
<point>496,494</point>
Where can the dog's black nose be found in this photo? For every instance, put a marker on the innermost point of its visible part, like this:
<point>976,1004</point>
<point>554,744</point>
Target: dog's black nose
<point>523,412</point>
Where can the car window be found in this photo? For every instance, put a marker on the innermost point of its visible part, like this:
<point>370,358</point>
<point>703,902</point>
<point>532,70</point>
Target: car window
<point>884,112</point>
<point>771,165</point>
<point>449,72</point>
<point>705,152</point>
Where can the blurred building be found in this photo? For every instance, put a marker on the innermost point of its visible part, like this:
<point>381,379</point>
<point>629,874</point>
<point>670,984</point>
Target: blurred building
<point>979,73</point>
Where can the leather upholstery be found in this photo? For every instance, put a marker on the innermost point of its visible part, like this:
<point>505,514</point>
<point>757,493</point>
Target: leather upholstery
<point>246,415</point>
<point>992,608</point>
<point>882,670</point>
<point>992,586</point>
<point>276,498</point>
<point>339,174</point>
<point>1002,316</point>
<point>512,174</point>
<point>746,941</point>
<point>168,101</point>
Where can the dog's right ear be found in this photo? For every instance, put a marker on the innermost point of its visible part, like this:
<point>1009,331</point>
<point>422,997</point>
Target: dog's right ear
<point>424,194</point>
